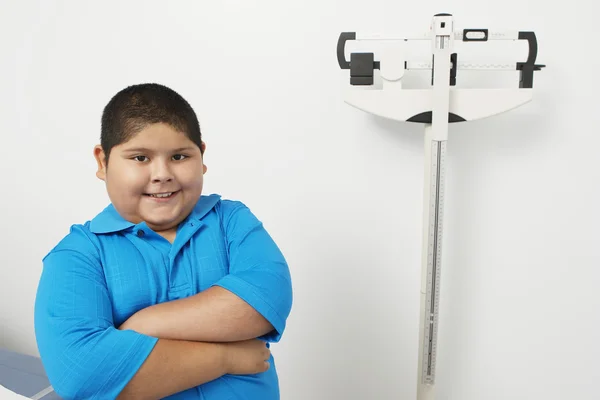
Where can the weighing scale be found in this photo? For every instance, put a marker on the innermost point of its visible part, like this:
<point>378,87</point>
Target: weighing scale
<point>436,106</point>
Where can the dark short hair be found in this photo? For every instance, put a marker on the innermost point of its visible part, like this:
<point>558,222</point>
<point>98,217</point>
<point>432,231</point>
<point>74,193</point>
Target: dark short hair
<point>137,106</point>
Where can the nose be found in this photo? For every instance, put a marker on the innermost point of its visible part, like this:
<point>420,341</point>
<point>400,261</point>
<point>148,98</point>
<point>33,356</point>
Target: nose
<point>161,172</point>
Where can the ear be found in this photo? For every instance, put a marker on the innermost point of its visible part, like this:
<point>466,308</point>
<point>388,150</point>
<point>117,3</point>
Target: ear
<point>101,161</point>
<point>203,150</point>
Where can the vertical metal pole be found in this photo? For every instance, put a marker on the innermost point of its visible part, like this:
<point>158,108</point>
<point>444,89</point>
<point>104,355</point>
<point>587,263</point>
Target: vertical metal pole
<point>436,135</point>
<point>433,217</point>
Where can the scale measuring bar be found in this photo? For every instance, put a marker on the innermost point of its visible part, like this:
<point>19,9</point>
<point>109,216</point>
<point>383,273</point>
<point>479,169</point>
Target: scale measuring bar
<point>435,107</point>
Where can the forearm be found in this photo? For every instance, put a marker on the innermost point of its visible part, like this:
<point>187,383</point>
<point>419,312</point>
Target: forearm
<point>214,315</point>
<point>174,366</point>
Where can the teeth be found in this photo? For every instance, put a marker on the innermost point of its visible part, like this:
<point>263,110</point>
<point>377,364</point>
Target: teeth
<point>161,194</point>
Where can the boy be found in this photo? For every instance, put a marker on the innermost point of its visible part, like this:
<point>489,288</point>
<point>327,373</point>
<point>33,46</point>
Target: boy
<point>166,293</point>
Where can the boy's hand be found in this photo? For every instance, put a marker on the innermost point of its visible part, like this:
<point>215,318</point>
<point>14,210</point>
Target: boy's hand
<point>246,357</point>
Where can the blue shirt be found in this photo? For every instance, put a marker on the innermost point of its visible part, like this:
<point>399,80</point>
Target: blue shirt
<point>107,269</point>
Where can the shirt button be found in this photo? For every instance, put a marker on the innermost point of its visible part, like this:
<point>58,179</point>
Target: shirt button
<point>141,233</point>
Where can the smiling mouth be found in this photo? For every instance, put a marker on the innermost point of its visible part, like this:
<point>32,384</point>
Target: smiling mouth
<point>163,195</point>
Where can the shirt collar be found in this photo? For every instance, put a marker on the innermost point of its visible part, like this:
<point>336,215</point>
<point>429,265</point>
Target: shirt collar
<point>110,221</point>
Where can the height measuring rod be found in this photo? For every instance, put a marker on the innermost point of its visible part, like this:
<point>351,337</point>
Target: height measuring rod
<point>435,107</point>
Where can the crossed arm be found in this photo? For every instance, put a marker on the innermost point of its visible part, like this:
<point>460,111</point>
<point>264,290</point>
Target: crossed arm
<point>214,315</point>
<point>189,332</point>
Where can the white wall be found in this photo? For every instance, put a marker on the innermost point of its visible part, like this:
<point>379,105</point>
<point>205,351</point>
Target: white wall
<point>340,190</point>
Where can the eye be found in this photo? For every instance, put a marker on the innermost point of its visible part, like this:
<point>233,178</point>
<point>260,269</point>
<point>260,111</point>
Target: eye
<point>179,157</point>
<point>140,158</point>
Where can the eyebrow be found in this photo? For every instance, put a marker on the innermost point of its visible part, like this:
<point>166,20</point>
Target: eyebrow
<point>145,150</point>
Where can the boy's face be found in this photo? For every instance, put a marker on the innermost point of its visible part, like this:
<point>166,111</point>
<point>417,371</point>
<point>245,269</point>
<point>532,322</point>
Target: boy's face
<point>157,162</point>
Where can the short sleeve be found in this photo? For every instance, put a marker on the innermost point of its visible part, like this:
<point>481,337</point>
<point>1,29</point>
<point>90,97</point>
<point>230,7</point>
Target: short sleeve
<point>85,356</point>
<point>258,271</point>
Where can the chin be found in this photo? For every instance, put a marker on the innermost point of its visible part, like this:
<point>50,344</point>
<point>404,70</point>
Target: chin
<point>162,223</point>
<point>162,219</point>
